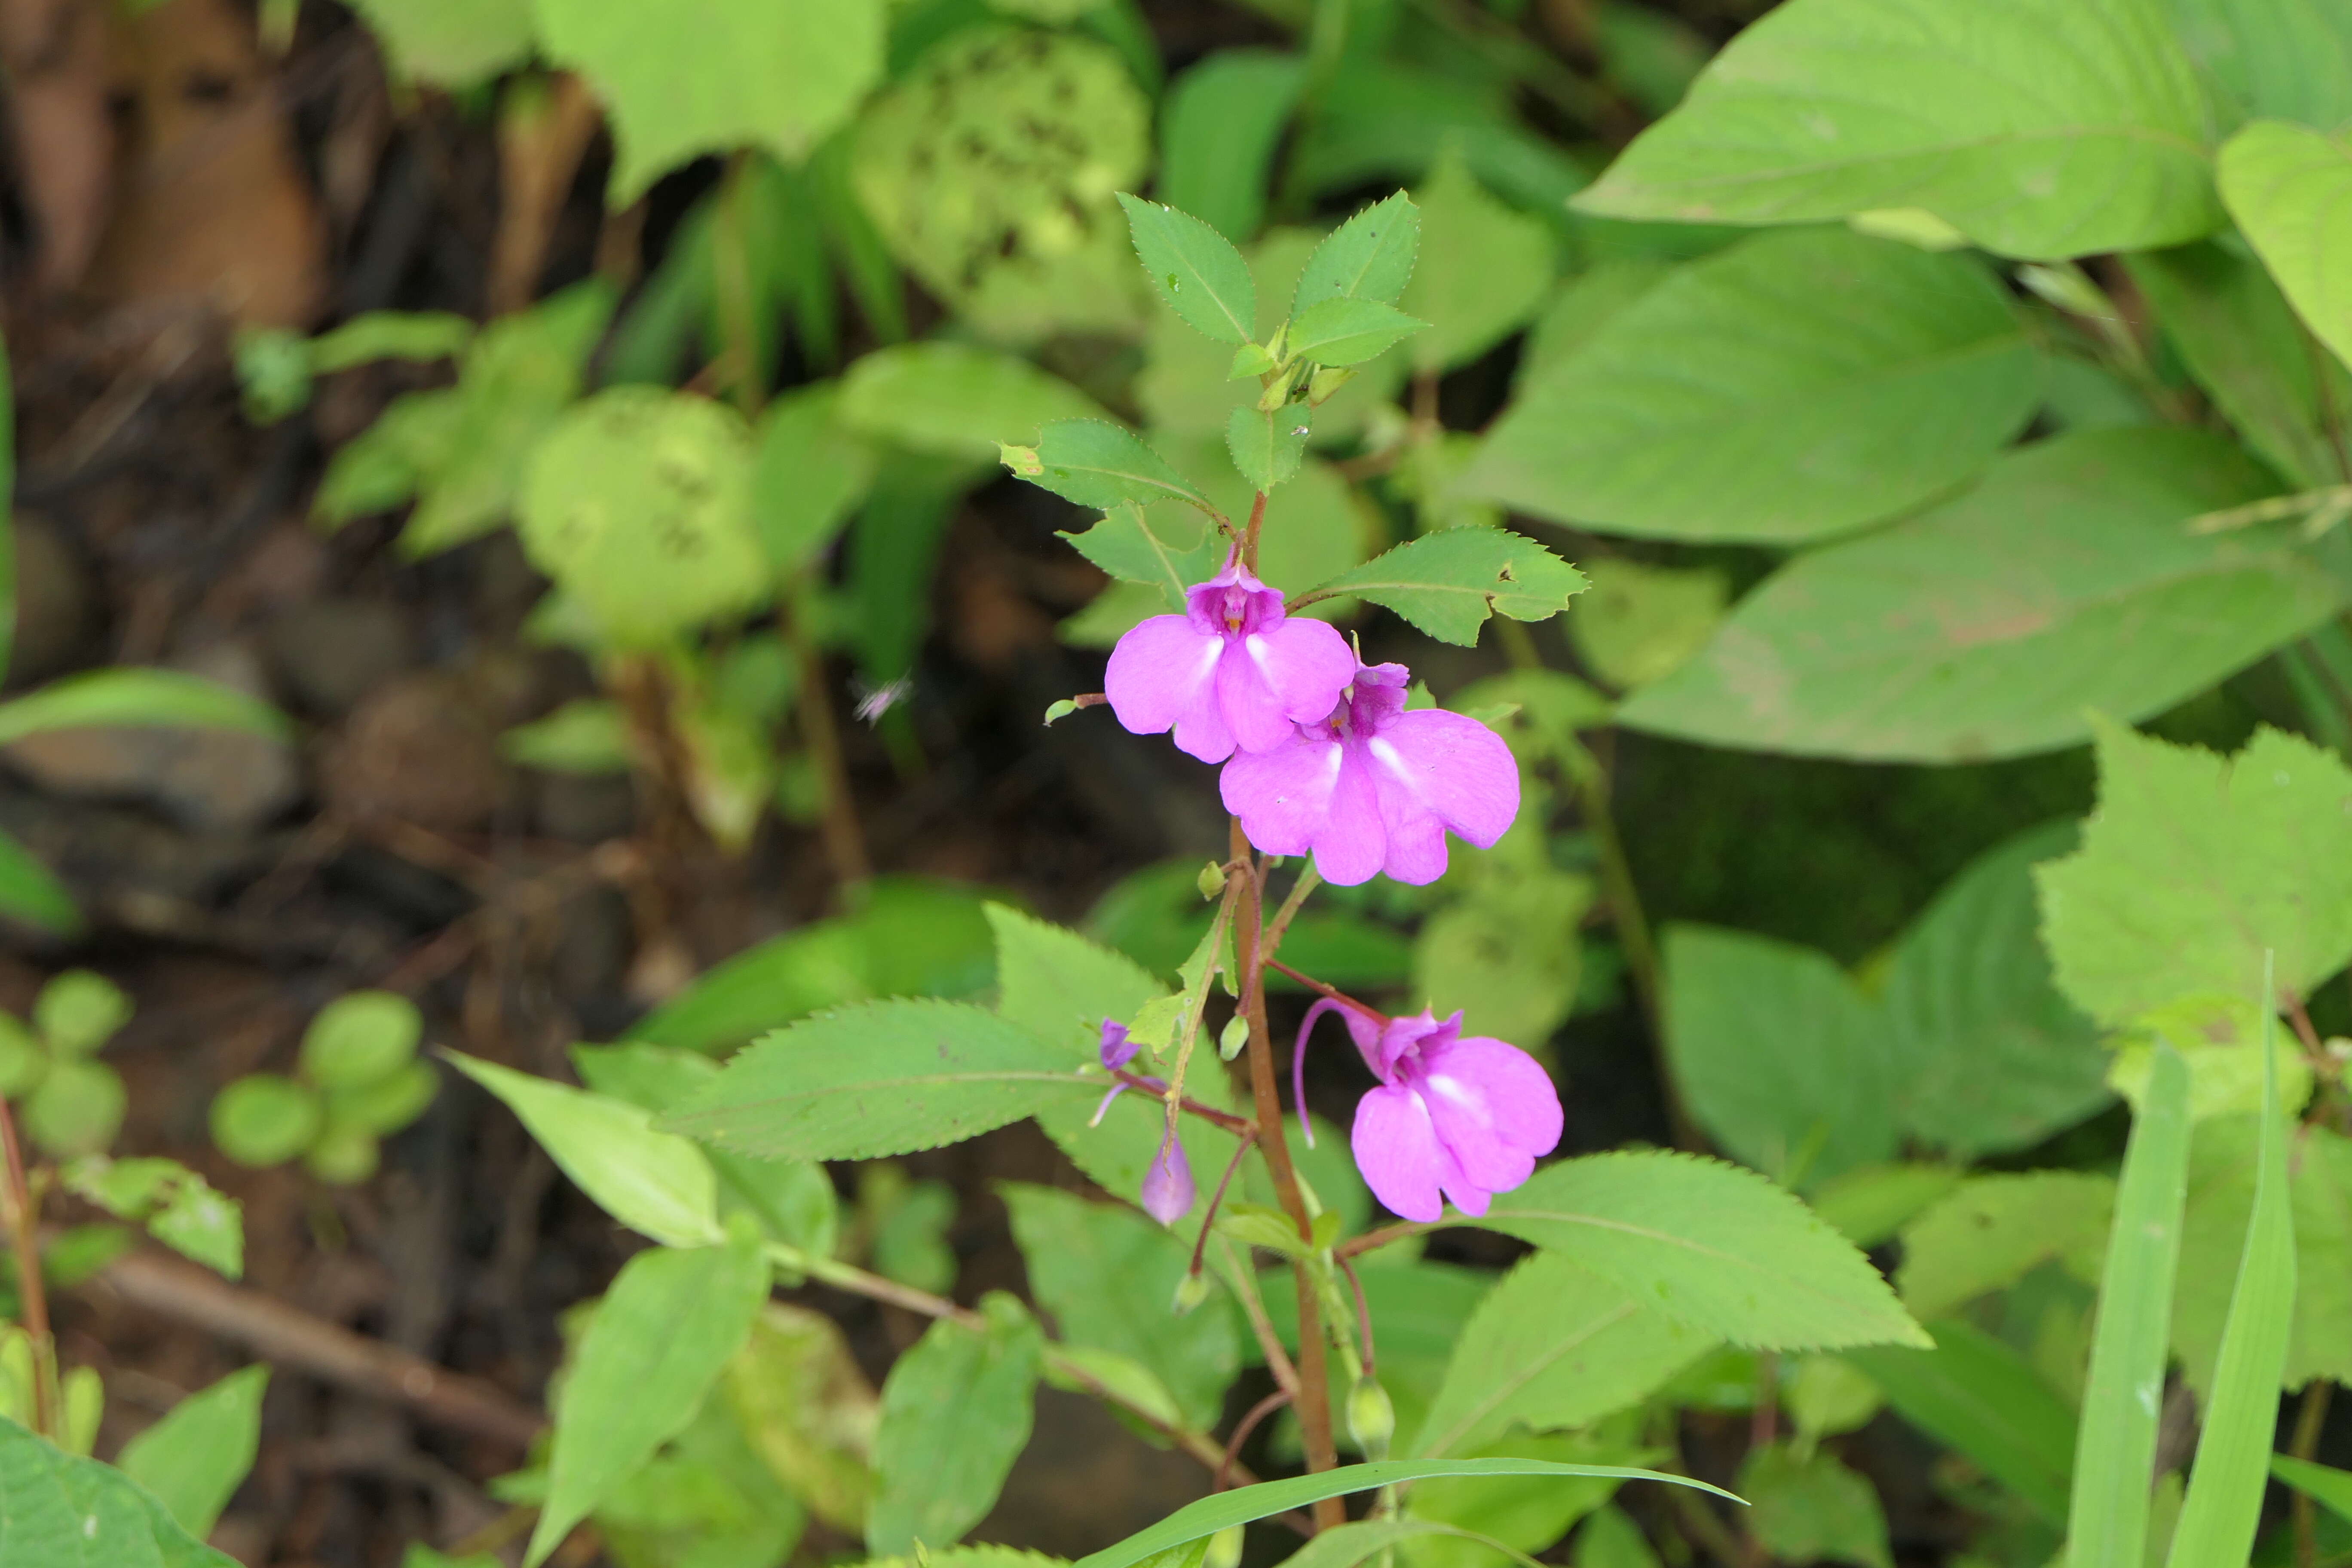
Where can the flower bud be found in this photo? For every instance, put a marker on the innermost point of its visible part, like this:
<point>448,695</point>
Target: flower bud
<point>1371,1418</point>
<point>1116,1049</point>
<point>1190,1291</point>
<point>1225,1549</point>
<point>1232,1037</point>
<point>1168,1186</point>
<point>1212,880</point>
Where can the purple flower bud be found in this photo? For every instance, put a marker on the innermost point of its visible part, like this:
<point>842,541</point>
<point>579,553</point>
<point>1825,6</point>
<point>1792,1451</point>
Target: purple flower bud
<point>1118,1050</point>
<point>1167,1184</point>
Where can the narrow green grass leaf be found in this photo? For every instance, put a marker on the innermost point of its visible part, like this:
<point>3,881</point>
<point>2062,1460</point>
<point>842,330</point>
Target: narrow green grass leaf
<point>1981,1398</point>
<point>2325,1485</point>
<point>146,698</point>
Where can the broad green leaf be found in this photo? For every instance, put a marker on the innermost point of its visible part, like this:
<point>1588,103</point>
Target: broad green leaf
<point>1870,1204</point>
<point>1448,582</point>
<point>879,1078</point>
<point>1099,464</point>
<point>1639,624</point>
<point>1496,1518</point>
<point>1992,1230</point>
<point>29,892</point>
<point>1778,1053</point>
<point>1194,268</point>
<point>60,1510</point>
<point>588,735</point>
<point>1266,448</point>
<point>1976,1395</point>
<point>1369,257</point>
<point>2239,338</point>
<point>1108,1277</point>
<point>1510,953</point>
<point>450,43</point>
<point>1580,308</point>
<point>1713,1246</point>
<point>1244,1504</point>
<point>2321,1483</point>
<point>2038,128</point>
<point>661,1336</point>
<point>1988,1057</point>
<point>1987,625</point>
<point>956,1413</point>
<point>2223,1169</point>
<point>798,1397</point>
<point>1612,1540</point>
<point>1554,1345</point>
<point>1154,549</point>
<point>958,400</point>
<point>2194,864</point>
<point>742,74</point>
<point>2290,188</point>
<point>2218,1516</point>
<point>639,504</point>
<point>653,1182</point>
<point>807,477</point>
<point>1348,330</point>
<point>1483,270</point>
<point>1812,1509</point>
<point>193,1461</point>
<point>1346,1545</point>
<point>2114,1446</point>
<point>1795,386</point>
<point>2287,58</point>
<point>125,697</point>
<point>1220,122</point>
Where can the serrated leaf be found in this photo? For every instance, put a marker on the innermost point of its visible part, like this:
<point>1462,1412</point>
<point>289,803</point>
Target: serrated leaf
<point>1978,1398</point>
<point>955,1414</point>
<point>1348,330</point>
<point>651,1180</point>
<point>60,1510</point>
<point>1985,626</point>
<point>1988,1232</point>
<point>1266,448</point>
<point>1711,1245</point>
<point>1136,548</point>
<point>1553,1345</point>
<point>2083,129</point>
<point>2290,188</point>
<point>1448,582</point>
<point>663,1333</point>
<point>2195,864</point>
<point>1099,464</point>
<point>882,1078</point>
<point>1194,268</point>
<point>1369,257</point>
<point>1736,400</point>
<point>193,1461</point>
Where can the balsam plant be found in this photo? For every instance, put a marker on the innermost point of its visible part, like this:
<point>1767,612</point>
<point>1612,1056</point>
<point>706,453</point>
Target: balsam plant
<point>356,1081</point>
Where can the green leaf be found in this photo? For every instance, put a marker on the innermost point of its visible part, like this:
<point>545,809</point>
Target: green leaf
<point>1194,268</point>
<point>1369,257</point>
<point>58,1511</point>
<point>2194,864</point>
<point>1108,1277</point>
<point>1266,448</point>
<point>78,1012</point>
<point>1510,952</point>
<point>2115,1447</point>
<point>1136,548</point>
<point>2290,188</point>
<point>179,1207</point>
<point>1099,464</point>
<point>1990,1230</point>
<point>1711,1245</point>
<point>392,334</point>
<point>139,696</point>
<point>1348,330</point>
<point>1346,1545</point>
<point>2218,1516</point>
<point>744,74</point>
<point>194,1460</point>
<point>1554,1345</point>
<point>1870,1204</point>
<point>1737,400</point>
<point>1448,582</point>
<point>1220,122</point>
<point>798,1397</point>
<point>1512,1515</point>
<point>361,1037</point>
<point>2083,127</point>
<point>2323,1485</point>
<point>883,1078</point>
<point>639,503</point>
<point>1985,626</point>
<point>2224,1171</point>
<point>2287,58</point>
<point>1484,268</point>
<point>957,400</point>
<point>1639,624</point>
<point>1812,1509</point>
<point>1244,1504</point>
<point>1976,1395</point>
<point>588,735</point>
<point>956,1413</point>
<point>807,477</point>
<point>1778,1053</point>
<point>450,43</point>
<point>264,1119</point>
<point>653,1182</point>
<point>29,892</point>
<point>673,1319</point>
<point>1612,1540</point>
<point>1987,1056</point>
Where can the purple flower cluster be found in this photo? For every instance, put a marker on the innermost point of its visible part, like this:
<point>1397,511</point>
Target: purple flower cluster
<point>1325,757</point>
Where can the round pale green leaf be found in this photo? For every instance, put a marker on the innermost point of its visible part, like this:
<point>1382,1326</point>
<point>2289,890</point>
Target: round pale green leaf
<point>955,399</point>
<point>79,1011</point>
<point>711,76</point>
<point>22,1059</point>
<point>263,1118</point>
<point>450,43</point>
<point>384,1106</point>
<point>2290,189</point>
<point>344,1156</point>
<point>360,1038</point>
<point>639,502</point>
<point>76,1109</point>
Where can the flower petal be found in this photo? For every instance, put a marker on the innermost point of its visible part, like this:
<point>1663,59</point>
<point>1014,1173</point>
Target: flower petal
<point>1396,1148</point>
<point>1307,663</point>
<point>1351,843</point>
<point>1494,1107</point>
<point>1283,796</point>
<point>1202,729</point>
<point>1432,761</point>
<point>1246,698</point>
<point>1159,671</point>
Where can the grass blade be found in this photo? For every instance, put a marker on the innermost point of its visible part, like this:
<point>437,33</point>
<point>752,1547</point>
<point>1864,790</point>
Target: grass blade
<point>2114,1447</point>
<point>2225,1489</point>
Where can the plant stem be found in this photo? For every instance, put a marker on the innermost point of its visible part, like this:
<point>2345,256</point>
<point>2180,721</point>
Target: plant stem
<point>2309,1419</point>
<point>1331,991</point>
<point>1314,1403</point>
<point>1249,534</point>
<point>1371,1240</point>
<point>23,1234</point>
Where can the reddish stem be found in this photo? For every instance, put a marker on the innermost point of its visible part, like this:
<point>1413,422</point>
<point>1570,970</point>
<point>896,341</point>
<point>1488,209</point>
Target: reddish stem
<point>1209,1217</point>
<point>1333,992</point>
<point>24,1236</point>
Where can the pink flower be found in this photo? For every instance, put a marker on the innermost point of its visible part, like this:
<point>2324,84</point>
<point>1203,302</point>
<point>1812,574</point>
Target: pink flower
<point>1373,787</point>
<point>1168,1184</point>
<point>1234,668</point>
<point>1453,1118</point>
